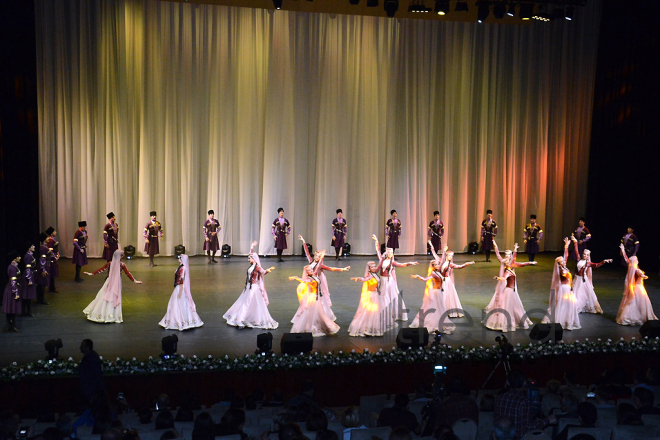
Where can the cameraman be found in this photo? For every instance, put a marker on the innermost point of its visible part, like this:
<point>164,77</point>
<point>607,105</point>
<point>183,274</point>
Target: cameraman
<point>515,405</point>
<point>457,405</point>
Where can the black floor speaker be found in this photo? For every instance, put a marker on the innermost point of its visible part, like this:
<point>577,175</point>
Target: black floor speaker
<point>542,332</point>
<point>296,343</point>
<point>650,329</point>
<point>412,338</point>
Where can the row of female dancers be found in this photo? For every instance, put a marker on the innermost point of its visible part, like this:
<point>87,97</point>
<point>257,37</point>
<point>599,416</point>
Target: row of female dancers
<point>381,302</point>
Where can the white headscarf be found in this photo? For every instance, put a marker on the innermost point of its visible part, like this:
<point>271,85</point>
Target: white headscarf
<point>585,262</point>
<point>112,285</point>
<point>629,292</point>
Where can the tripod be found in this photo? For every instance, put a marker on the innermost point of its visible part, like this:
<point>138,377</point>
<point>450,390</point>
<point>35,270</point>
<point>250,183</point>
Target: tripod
<point>504,360</point>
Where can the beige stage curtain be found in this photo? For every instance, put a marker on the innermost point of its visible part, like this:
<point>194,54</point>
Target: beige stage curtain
<point>181,108</point>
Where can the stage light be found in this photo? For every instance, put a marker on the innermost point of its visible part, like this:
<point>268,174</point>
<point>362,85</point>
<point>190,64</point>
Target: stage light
<point>526,10</point>
<point>512,10</point>
<point>52,347</point>
<point>372,3</point>
<point>461,6</point>
<point>226,251</point>
<point>484,11</point>
<point>168,345</point>
<point>129,252</point>
<point>499,10</point>
<point>277,4</point>
<point>417,6</point>
<point>540,14</point>
<point>473,248</point>
<point>441,7</point>
<point>264,343</point>
<point>569,13</point>
<point>354,2</point>
<point>309,248</point>
<point>391,6</point>
<point>347,249</point>
<point>179,250</point>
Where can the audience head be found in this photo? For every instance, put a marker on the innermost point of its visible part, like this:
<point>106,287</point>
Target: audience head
<point>643,397</point>
<point>86,346</point>
<point>326,434</point>
<point>203,420</point>
<point>400,433</point>
<point>164,420</point>
<point>163,402</point>
<point>234,419</point>
<point>145,415</point>
<point>112,434</point>
<point>587,414</point>
<point>503,429</point>
<point>552,386</point>
<point>401,401</point>
<point>282,418</point>
<point>170,434</point>
<point>289,432</point>
<point>487,403</point>
<point>626,414</point>
<point>203,433</point>
<point>516,379</point>
<point>185,414</point>
<point>350,418</point>
<point>316,421</point>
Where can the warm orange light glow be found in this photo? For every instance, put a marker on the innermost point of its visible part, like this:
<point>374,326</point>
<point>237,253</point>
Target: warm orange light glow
<point>365,297</point>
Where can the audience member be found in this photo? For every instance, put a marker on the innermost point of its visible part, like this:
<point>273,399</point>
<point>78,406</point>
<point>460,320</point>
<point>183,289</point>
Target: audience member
<point>316,421</point>
<point>457,405</point>
<point>400,433</point>
<point>145,415</point>
<point>350,420</point>
<point>551,399</point>
<point>503,429</point>
<point>164,420</point>
<point>231,423</point>
<point>289,432</point>
<point>626,414</point>
<point>203,420</point>
<point>90,371</point>
<point>398,415</point>
<point>282,418</point>
<point>587,414</point>
<point>515,404</point>
<point>184,414</point>
<point>303,403</point>
<point>644,401</point>
<point>163,403</point>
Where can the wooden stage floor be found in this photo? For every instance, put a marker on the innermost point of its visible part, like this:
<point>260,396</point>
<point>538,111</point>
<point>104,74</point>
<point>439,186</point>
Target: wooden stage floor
<point>216,287</point>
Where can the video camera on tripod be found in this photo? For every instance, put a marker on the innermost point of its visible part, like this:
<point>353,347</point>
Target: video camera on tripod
<point>431,408</point>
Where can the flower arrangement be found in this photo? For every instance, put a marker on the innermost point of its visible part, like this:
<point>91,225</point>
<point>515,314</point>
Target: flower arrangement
<point>262,362</point>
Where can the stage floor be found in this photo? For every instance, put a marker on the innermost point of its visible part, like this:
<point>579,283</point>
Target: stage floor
<point>215,288</point>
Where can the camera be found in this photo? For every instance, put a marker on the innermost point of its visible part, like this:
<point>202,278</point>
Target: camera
<point>439,369</point>
<point>23,432</point>
<point>505,346</point>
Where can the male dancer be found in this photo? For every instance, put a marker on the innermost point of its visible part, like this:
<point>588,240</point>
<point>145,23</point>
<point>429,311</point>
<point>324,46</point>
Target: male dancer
<point>630,244</point>
<point>280,229</point>
<point>392,231</point>
<point>532,234</point>
<point>80,249</point>
<point>54,248</point>
<point>28,289</point>
<point>110,237</point>
<point>435,231</point>
<point>582,235</point>
<point>211,228</point>
<point>488,233</point>
<point>339,230</point>
<point>152,231</point>
<point>43,269</point>
<point>11,303</point>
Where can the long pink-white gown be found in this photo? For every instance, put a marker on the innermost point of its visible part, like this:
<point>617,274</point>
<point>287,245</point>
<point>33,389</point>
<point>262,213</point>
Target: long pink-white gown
<point>635,307</point>
<point>433,308</point>
<point>585,296</point>
<point>311,316</point>
<point>507,313</point>
<point>370,319</point>
<point>181,311</point>
<point>251,308</point>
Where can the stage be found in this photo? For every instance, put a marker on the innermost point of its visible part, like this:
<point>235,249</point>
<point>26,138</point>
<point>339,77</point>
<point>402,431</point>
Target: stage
<point>215,288</point>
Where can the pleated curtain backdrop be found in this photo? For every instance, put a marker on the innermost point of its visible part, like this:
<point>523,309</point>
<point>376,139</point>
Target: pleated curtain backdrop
<point>181,108</point>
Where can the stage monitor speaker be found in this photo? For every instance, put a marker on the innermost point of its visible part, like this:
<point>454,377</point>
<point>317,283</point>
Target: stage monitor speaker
<point>309,248</point>
<point>412,338</point>
<point>650,329</point>
<point>347,250</point>
<point>473,248</point>
<point>296,343</point>
<point>541,332</point>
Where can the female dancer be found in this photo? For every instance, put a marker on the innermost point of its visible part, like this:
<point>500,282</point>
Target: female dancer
<point>562,308</point>
<point>583,283</point>
<point>449,295</point>
<point>311,316</point>
<point>181,313</point>
<point>501,285</point>
<point>388,284</point>
<point>507,312</point>
<point>251,308</point>
<point>635,307</point>
<point>433,308</point>
<point>106,307</point>
<point>369,319</point>
<point>323,285</point>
